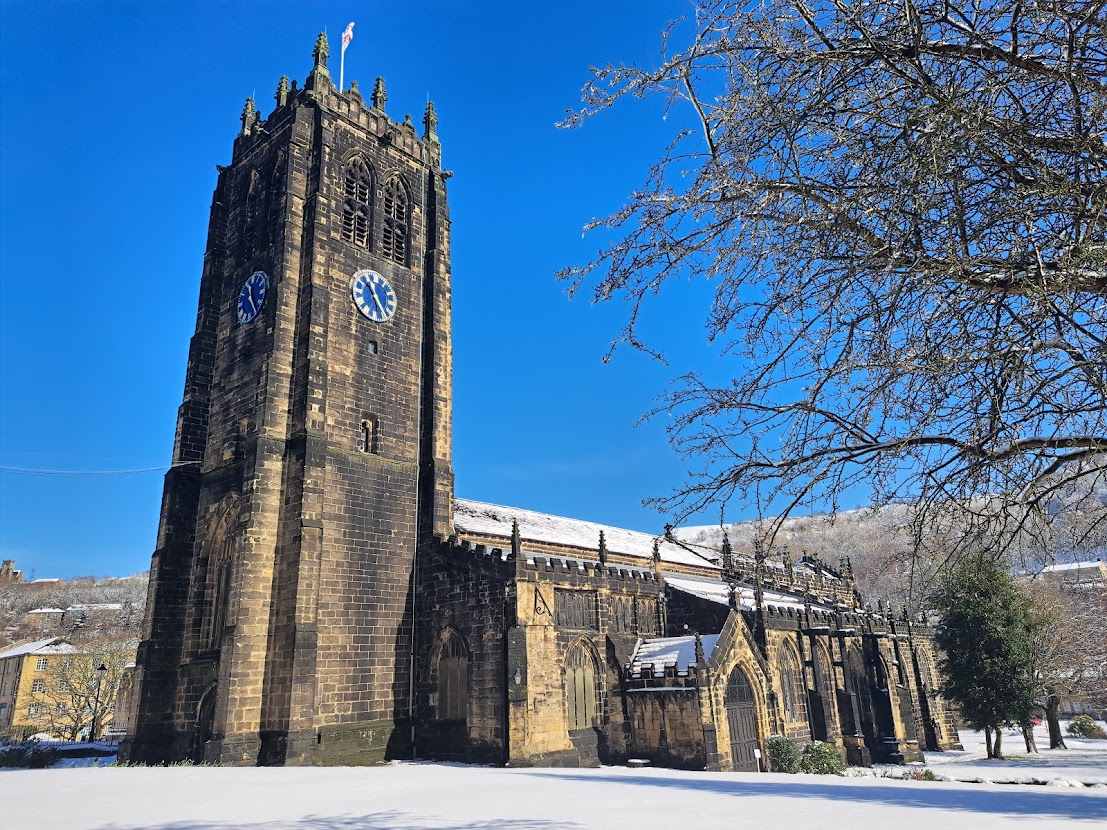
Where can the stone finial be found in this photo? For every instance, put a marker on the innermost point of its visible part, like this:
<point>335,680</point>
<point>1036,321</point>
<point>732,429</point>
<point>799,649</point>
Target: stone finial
<point>249,117</point>
<point>407,122</point>
<point>516,539</point>
<point>657,558</point>
<point>354,92</point>
<point>849,569</point>
<point>430,123</point>
<point>732,596</point>
<point>379,95</point>
<point>700,658</point>
<point>282,91</point>
<point>603,548</point>
<point>728,556</point>
<point>322,50</point>
<point>319,77</point>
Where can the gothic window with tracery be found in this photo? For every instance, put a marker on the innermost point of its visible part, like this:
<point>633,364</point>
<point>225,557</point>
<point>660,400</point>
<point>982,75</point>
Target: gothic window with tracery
<point>219,589</point>
<point>453,678</point>
<point>358,187</point>
<point>791,685</point>
<point>395,237</point>
<point>580,687</point>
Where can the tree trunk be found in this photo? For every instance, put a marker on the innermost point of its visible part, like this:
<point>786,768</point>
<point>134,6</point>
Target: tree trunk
<point>1056,739</point>
<point>1028,736</point>
<point>988,739</point>
<point>999,744</point>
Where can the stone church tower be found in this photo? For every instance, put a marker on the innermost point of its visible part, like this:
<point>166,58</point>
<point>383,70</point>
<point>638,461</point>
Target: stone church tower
<point>312,453</point>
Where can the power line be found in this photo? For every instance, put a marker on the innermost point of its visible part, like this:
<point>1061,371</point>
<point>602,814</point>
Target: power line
<point>30,471</point>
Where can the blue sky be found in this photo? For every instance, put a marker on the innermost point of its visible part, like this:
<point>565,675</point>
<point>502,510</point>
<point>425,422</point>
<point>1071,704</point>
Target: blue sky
<point>114,115</point>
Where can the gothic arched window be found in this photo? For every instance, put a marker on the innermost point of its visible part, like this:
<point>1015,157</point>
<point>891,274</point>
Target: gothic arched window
<point>580,687</point>
<point>219,579</point>
<point>396,221</point>
<point>791,684</point>
<point>453,678</point>
<point>355,209</point>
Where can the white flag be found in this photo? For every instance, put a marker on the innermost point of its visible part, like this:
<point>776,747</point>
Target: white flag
<point>347,36</point>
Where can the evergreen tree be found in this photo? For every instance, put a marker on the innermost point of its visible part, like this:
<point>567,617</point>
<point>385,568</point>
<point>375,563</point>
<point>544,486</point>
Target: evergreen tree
<point>985,635</point>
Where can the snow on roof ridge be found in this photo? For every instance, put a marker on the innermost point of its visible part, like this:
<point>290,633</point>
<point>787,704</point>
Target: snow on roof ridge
<point>29,647</point>
<point>485,518</point>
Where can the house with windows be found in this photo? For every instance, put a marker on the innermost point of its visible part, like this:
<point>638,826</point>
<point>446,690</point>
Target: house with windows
<point>27,673</point>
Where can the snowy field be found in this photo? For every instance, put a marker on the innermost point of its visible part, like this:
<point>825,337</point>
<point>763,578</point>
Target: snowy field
<point>417,796</point>
<point>1084,760</point>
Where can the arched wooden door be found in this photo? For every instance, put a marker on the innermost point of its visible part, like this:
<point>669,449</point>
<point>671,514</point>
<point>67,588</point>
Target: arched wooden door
<point>205,723</point>
<point>741,716</point>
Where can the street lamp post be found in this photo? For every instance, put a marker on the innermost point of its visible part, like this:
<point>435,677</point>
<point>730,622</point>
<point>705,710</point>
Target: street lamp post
<point>96,702</point>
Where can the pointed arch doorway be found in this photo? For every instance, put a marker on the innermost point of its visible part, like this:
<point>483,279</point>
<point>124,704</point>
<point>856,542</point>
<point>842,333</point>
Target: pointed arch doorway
<point>741,717</point>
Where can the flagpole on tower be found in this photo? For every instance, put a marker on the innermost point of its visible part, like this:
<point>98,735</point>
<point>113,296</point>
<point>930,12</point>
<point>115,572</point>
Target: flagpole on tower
<point>347,36</point>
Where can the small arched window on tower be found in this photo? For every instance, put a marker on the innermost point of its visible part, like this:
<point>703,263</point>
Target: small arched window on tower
<point>396,221</point>
<point>791,685</point>
<point>453,678</point>
<point>355,209</point>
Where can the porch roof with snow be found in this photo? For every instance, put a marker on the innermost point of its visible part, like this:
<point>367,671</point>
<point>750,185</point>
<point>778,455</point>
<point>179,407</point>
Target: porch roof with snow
<point>663,652</point>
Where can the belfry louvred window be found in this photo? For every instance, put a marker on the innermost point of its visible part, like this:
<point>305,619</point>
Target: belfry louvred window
<point>396,220</point>
<point>355,210</point>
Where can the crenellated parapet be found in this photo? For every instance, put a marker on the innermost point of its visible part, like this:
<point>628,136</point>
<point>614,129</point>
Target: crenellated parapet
<point>319,91</point>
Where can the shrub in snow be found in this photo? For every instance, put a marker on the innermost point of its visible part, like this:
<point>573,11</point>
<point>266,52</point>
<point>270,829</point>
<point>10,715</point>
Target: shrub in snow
<point>783,754</point>
<point>1084,727</point>
<point>821,759</point>
<point>28,755</point>
<point>923,775</point>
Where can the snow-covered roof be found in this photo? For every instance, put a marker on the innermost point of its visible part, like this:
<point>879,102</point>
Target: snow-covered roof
<point>482,519</point>
<point>670,651</point>
<point>103,606</point>
<point>718,592</point>
<point>1074,566</point>
<point>46,611</point>
<point>51,645</point>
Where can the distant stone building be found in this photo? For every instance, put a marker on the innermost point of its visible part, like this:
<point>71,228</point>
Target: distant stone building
<point>24,684</point>
<point>1088,574</point>
<point>317,594</point>
<point>45,618</point>
<point>8,573</point>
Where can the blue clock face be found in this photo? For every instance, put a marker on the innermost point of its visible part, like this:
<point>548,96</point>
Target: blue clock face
<point>251,299</point>
<point>373,296</point>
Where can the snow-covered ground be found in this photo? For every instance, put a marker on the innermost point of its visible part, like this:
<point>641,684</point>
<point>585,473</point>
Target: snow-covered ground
<point>410,796</point>
<point>1083,761</point>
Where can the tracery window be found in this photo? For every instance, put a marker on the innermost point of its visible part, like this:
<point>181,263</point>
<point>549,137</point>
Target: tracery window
<point>396,221</point>
<point>580,687</point>
<point>791,685</point>
<point>355,210</point>
<point>218,585</point>
<point>453,678</point>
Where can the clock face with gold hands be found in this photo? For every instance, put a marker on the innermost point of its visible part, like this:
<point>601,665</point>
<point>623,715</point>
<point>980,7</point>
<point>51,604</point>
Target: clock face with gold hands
<point>373,296</point>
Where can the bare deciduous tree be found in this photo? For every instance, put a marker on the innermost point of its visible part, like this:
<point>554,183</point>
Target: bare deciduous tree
<point>72,691</point>
<point>1068,648</point>
<point>903,206</point>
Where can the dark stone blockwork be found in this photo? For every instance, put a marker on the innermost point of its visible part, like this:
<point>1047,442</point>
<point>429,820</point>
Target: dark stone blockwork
<point>317,596</point>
